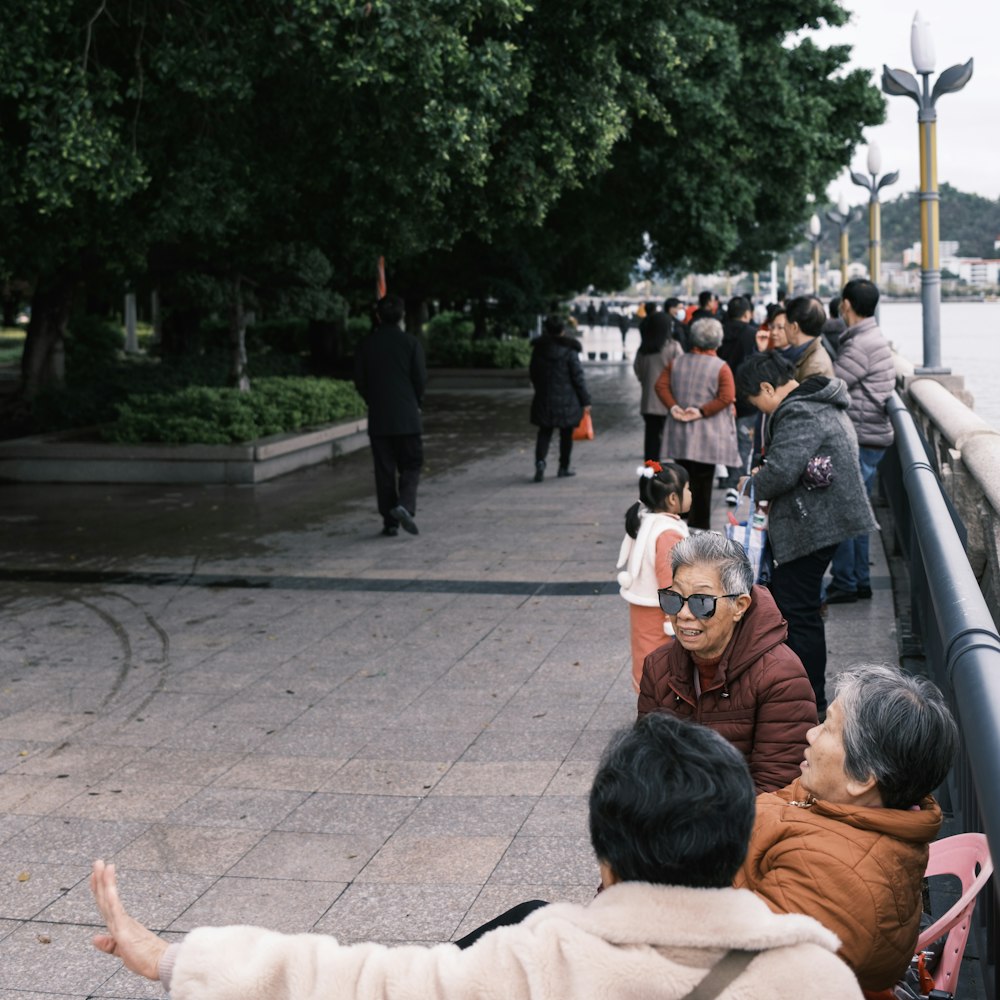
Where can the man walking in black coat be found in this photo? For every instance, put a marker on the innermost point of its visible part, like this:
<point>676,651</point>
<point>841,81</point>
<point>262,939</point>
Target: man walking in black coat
<point>391,375</point>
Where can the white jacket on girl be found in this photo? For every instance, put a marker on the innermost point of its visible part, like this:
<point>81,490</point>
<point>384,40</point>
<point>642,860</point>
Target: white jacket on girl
<point>637,559</point>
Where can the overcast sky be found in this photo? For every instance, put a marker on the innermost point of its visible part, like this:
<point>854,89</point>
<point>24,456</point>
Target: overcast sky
<point>968,128</point>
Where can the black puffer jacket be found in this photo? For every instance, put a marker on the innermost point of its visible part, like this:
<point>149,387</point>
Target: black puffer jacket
<point>557,375</point>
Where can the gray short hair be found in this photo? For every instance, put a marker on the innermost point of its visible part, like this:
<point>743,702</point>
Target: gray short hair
<point>712,549</point>
<point>898,729</point>
<point>706,333</point>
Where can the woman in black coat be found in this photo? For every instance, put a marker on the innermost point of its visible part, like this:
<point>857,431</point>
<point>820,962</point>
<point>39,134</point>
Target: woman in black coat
<point>560,393</point>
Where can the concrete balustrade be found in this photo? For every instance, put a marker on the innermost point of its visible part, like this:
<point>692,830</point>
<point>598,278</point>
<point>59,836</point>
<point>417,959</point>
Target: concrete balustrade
<point>965,450</point>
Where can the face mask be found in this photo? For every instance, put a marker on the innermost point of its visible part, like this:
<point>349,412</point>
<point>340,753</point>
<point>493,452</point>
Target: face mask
<point>680,313</point>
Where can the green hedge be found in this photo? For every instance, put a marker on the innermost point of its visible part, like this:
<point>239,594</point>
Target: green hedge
<point>450,344</point>
<point>92,396</point>
<point>206,415</point>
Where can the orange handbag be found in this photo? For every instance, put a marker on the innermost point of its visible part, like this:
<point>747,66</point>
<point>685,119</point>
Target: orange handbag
<point>584,430</point>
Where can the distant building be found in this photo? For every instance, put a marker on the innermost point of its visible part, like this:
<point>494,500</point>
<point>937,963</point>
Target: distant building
<point>898,281</point>
<point>977,271</point>
<point>946,248</point>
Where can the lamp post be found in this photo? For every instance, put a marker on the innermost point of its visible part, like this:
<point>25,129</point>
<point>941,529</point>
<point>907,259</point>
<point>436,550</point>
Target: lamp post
<point>874,208</point>
<point>812,235</point>
<point>842,217</point>
<point>898,82</point>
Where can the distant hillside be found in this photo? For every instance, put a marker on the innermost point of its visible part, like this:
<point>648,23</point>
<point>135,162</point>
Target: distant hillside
<point>972,220</point>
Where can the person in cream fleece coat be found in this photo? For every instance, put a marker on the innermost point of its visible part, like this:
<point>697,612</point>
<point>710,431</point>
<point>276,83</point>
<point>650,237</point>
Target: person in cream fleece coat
<point>671,809</point>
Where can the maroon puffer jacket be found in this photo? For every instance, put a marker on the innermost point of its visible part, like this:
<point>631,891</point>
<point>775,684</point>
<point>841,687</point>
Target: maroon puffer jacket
<point>760,700</point>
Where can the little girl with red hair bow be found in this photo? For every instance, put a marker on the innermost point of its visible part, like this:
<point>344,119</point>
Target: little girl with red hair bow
<point>653,526</point>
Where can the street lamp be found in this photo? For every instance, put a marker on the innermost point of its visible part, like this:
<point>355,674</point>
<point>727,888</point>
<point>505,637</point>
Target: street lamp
<point>812,235</point>
<point>874,208</point>
<point>842,217</point>
<point>899,83</point>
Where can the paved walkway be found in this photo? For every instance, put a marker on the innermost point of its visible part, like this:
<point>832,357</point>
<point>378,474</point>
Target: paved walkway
<point>265,712</point>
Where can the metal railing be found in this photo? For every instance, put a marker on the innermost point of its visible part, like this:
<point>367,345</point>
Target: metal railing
<point>952,624</point>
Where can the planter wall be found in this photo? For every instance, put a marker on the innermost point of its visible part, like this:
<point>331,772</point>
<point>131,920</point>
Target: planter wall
<point>72,458</point>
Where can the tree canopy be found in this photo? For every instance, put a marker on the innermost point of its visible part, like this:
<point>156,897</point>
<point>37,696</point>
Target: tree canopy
<point>488,148</point>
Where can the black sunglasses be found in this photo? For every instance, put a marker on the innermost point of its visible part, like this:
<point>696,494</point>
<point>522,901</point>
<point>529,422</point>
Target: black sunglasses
<point>700,605</point>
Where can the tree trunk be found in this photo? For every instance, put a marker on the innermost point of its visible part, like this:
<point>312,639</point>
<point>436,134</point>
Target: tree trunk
<point>43,362</point>
<point>238,375</point>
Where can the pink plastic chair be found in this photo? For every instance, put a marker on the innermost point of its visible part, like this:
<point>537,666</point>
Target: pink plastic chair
<point>960,856</point>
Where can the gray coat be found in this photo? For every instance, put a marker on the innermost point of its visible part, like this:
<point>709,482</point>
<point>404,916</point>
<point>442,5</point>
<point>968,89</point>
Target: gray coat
<point>812,421</point>
<point>864,362</point>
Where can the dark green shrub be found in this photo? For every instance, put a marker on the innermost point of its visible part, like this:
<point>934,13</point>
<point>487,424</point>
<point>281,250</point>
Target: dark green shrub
<point>206,415</point>
<point>92,396</point>
<point>501,353</point>
<point>450,344</point>
<point>92,343</point>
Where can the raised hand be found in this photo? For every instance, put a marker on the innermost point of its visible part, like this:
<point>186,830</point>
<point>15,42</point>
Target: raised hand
<point>137,946</point>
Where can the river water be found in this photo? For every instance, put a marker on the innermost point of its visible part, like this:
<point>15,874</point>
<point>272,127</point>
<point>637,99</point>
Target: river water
<point>970,345</point>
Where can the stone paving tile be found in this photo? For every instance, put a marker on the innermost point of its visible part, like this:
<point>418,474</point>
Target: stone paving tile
<point>52,960</point>
<point>469,816</point>
<point>273,710</point>
<point>289,905</point>
<point>437,860</point>
<point>208,735</point>
<point>387,777</point>
<point>49,726</point>
<point>61,840</point>
<point>8,927</point>
<point>13,827</point>
<point>261,770</point>
<point>304,738</point>
<point>238,808</point>
<point>419,744</point>
<point>595,738</point>
<point>558,816</point>
<point>560,860</point>
<point>114,800</point>
<point>187,766</point>
<point>397,913</point>
<point>318,857</point>
<point>154,898</point>
<point>525,745</point>
<point>497,778</point>
<point>34,795</point>
<point>376,815</point>
<point>28,889</point>
<point>83,762</point>
<point>195,850</point>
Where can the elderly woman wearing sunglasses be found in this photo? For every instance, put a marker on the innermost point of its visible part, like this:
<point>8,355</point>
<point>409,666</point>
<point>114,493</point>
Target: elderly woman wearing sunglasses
<point>729,667</point>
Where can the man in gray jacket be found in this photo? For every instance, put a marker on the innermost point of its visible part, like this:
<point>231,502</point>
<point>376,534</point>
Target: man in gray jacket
<point>864,362</point>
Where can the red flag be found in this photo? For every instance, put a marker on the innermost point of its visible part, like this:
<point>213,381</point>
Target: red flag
<point>380,287</point>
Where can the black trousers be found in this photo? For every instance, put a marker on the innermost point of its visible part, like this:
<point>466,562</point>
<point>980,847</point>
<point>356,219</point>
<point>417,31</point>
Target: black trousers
<point>796,588</point>
<point>398,459</point>
<point>565,444</point>
<point>653,440</point>
<point>702,478</point>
